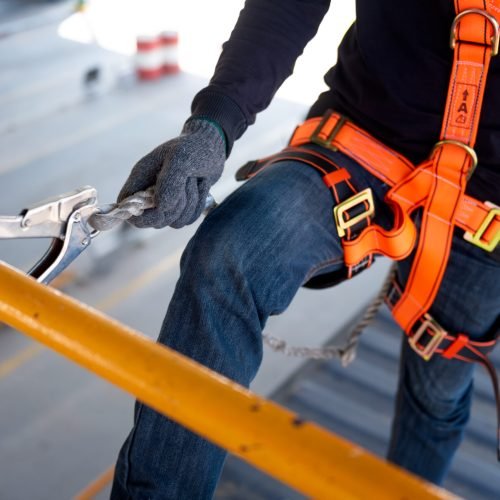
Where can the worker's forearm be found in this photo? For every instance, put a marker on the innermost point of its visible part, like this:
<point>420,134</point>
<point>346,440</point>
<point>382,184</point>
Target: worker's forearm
<point>260,54</point>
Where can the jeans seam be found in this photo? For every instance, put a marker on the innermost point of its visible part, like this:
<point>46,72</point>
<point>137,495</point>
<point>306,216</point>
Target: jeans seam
<point>322,265</point>
<point>132,439</point>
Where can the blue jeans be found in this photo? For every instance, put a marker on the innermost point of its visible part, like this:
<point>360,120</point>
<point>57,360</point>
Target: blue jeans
<point>247,261</point>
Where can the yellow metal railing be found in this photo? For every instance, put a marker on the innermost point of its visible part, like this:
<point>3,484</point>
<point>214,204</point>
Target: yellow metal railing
<point>301,454</point>
<point>96,486</point>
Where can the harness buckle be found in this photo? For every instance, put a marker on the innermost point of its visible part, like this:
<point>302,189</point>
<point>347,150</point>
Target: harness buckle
<point>365,196</point>
<point>327,143</point>
<point>495,39</point>
<point>435,330</point>
<point>477,237</point>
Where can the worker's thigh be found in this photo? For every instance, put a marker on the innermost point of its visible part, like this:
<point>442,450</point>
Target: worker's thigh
<point>277,231</point>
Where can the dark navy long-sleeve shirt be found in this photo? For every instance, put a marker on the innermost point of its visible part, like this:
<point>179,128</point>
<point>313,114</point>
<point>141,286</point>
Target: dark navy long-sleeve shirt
<point>391,77</point>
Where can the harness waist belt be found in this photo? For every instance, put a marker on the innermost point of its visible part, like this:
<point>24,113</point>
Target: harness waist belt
<point>479,220</point>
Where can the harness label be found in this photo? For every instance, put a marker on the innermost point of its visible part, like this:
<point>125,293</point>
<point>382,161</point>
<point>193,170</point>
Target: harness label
<point>465,97</point>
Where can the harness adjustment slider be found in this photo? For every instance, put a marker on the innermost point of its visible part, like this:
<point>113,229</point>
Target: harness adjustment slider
<point>430,326</point>
<point>477,237</point>
<point>341,210</point>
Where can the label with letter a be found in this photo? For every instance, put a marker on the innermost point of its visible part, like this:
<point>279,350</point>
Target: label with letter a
<point>463,105</point>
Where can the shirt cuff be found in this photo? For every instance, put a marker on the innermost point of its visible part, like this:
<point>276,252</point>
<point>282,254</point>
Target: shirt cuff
<point>214,106</point>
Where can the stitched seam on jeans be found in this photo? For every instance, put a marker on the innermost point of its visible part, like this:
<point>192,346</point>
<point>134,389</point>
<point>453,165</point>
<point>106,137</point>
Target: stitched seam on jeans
<point>131,443</point>
<point>318,267</point>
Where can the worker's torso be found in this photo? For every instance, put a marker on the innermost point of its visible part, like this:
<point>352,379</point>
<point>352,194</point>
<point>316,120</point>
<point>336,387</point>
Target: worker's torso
<point>392,78</point>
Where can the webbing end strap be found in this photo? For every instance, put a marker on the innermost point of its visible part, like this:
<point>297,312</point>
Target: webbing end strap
<point>247,170</point>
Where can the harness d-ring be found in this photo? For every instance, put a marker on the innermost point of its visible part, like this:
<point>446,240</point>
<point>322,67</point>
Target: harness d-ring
<point>470,151</point>
<point>495,39</point>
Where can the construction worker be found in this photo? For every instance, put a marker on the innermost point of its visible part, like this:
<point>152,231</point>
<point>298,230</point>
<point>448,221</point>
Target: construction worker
<point>276,232</point>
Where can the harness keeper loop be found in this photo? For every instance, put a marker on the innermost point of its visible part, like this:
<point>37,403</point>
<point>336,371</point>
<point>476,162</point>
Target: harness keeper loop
<point>327,143</point>
<point>460,342</point>
<point>495,39</point>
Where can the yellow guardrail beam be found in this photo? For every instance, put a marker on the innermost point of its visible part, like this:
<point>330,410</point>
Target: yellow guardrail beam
<point>301,454</point>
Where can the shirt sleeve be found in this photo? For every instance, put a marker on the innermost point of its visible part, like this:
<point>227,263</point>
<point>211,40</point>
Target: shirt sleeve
<point>260,54</point>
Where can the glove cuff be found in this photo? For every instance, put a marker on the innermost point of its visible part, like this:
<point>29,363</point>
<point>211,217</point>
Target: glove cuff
<point>211,130</point>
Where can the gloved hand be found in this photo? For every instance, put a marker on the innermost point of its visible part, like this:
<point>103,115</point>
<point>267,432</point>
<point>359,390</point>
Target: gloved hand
<point>182,171</point>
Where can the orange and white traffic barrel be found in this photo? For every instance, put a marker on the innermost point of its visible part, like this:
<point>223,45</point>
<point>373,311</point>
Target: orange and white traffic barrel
<point>170,54</point>
<point>149,58</point>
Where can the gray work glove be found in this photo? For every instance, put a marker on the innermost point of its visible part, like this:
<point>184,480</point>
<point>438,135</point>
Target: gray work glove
<point>182,171</point>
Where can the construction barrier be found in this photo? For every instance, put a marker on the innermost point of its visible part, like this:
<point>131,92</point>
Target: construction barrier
<point>170,53</point>
<point>157,55</point>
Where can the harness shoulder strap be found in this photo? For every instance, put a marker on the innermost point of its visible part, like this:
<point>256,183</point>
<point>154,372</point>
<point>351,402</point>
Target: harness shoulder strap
<point>474,38</point>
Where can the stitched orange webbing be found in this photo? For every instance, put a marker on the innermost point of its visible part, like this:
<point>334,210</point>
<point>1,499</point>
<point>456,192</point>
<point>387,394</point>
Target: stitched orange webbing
<point>451,165</point>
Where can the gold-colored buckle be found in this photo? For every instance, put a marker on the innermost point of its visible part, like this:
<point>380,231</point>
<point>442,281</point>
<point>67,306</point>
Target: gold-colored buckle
<point>327,143</point>
<point>437,332</point>
<point>495,39</point>
<point>341,208</point>
<point>470,151</point>
<point>477,237</point>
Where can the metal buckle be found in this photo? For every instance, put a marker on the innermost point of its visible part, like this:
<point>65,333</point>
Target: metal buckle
<point>495,39</point>
<point>476,238</point>
<point>341,208</point>
<point>470,151</point>
<point>438,334</point>
<point>327,143</point>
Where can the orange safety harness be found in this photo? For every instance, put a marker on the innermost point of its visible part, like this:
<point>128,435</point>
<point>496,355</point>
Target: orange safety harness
<point>437,187</point>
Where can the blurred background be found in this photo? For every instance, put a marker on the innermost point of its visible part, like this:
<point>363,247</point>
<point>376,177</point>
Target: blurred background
<point>79,104</point>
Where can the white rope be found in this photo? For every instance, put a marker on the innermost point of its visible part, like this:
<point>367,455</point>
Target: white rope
<point>347,351</point>
<point>110,216</point>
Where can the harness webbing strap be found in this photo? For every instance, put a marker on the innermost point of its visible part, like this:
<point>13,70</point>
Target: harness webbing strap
<point>452,163</point>
<point>334,132</point>
<point>392,168</point>
<point>429,338</point>
<point>474,36</point>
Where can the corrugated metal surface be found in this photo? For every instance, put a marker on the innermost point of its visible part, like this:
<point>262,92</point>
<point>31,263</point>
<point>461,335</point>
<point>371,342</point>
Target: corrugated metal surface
<point>356,402</point>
